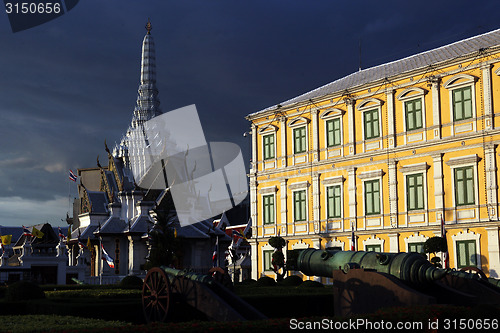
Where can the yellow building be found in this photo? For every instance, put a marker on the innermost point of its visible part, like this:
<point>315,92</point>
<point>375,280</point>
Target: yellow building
<point>388,152</point>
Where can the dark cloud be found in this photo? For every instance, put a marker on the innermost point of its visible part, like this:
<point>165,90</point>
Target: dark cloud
<point>68,85</point>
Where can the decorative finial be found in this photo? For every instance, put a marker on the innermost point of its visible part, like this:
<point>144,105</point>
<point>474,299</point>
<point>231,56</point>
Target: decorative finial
<point>148,26</point>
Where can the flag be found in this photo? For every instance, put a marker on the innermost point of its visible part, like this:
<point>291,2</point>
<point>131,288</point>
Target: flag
<point>61,235</point>
<point>6,239</point>
<point>81,243</point>
<point>72,176</point>
<point>26,231</point>
<point>106,257</point>
<point>89,244</point>
<point>214,255</point>
<point>238,235</point>
<point>37,233</point>
<point>445,254</point>
<point>353,239</point>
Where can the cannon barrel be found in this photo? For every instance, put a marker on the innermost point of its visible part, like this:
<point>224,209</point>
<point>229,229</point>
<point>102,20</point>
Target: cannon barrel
<point>408,267</point>
<point>172,272</point>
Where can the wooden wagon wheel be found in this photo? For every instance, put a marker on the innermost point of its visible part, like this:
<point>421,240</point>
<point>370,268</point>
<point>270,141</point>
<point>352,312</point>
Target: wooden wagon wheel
<point>475,270</point>
<point>156,293</point>
<point>185,290</point>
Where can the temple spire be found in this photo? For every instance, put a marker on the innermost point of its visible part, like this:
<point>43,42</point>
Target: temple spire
<point>147,99</point>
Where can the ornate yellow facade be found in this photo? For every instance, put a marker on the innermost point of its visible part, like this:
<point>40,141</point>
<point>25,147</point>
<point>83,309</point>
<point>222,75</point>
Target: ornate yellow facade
<point>387,152</point>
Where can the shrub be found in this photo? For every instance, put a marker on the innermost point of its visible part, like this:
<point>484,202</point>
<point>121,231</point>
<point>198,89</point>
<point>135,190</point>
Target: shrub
<point>311,284</point>
<point>248,282</point>
<point>23,291</point>
<point>292,280</point>
<point>265,281</point>
<point>131,281</point>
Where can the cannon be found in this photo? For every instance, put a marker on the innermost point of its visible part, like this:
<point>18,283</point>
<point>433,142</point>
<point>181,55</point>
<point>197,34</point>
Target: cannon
<point>409,267</point>
<point>165,287</point>
<point>365,281</point>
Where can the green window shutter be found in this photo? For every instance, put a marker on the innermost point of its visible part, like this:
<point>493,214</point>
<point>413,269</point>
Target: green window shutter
<point>415,191</point>
<point>371,124</point>
<point>268,257</point>
<point>299,135</point>
<point>374,248</point>
<point>466,253</point>
<point>299,199</point>
<point>416,247</point>
<point>464,186</point>
<point>268,206</point>
<point>413,114</point>
<point>372,197</point>
<point>333,136</point>
<point>268,146</point>
<point>462,103</point>
<point>333,201</point>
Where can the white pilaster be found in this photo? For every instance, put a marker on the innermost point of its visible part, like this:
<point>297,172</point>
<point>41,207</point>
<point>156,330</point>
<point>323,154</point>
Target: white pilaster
<point>283,129</point>
<point>436,108</point>
<point>351,122</point>
<point>351,179</point>
<point>315,135</point>
<point>493,251</point>
<point>255,255</point>
<point>283,222</point>
<point>487,97</point>
<point>393,243</point>
<point>254,149</point>
<point>391,139</point>
<point>316,202</point>
<point>491,181</point>
<point>438,186</point>
<point>393,194</point>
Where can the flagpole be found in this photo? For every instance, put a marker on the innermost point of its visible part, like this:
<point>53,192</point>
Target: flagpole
<point>100,260</point>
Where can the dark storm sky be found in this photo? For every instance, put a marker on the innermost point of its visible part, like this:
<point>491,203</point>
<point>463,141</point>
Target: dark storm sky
<point>69,84</point>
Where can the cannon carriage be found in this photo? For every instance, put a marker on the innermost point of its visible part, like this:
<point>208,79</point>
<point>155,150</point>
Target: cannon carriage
<point>165,288</point>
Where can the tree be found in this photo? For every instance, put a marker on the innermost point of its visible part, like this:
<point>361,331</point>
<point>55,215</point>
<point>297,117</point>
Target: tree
<point>434,245</point>
<point>278,258</point>
<point>165,246</point>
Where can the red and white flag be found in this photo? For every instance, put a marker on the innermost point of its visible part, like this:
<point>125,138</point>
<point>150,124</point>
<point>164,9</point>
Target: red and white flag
<point>446,263</point>
<point>105,256</point>
<point>72,176</point>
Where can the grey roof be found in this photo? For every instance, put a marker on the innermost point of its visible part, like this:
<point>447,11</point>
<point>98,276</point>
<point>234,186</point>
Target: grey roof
<point>99,201</point>
<point>140,224</point>
<point>189,231</point>
<point>84,233</point>
<point>448,52</point>
<point>114,225</point>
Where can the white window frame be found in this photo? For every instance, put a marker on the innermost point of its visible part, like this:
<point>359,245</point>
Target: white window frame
<point>466,235</point>
<point>263,208</point>
<point>368,105</point>
<point>373,240</point>
<point>266,247</point>
<point>296,123</point>
<point>332,114</point>
<point>413,169</point>
<point>456,82</point>
<point>267,130</point>
<point>415,238</point>
<point>460,162</point>
<point>368,176</point>
<point>299,186</point>
<point>409,94</point>
<point>334,181</point>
